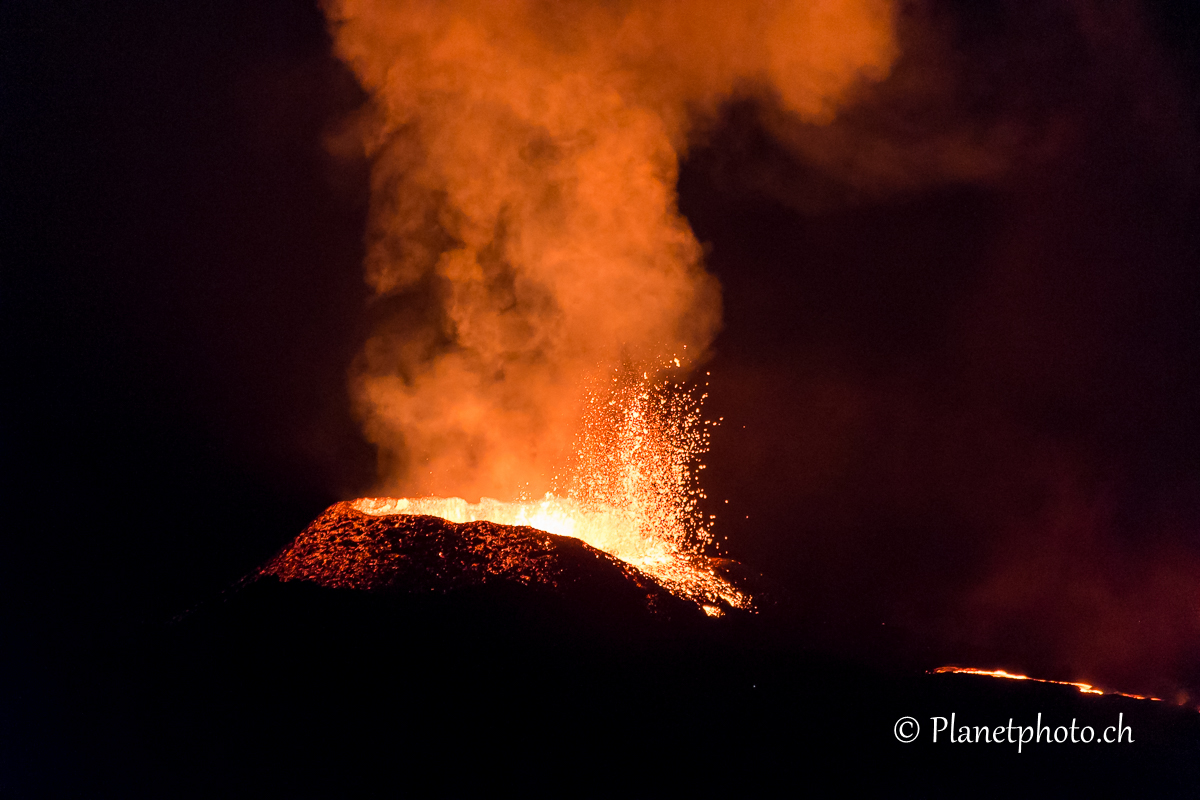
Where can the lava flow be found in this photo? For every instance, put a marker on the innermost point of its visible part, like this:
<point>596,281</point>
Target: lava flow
<point>1085,688</point>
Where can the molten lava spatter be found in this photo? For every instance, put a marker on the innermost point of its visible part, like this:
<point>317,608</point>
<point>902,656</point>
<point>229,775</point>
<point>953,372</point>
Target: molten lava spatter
<point>346,548</point>
<point>631,490</point>
<point>631,494</point>
<point>616,532</point>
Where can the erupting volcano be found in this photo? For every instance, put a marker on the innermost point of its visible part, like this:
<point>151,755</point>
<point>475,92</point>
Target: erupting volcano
<point>631,491</point>
<point>633,396</point>
<point>525,238</point>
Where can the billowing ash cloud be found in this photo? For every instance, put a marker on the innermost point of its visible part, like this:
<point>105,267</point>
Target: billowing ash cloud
<point>525,156</point>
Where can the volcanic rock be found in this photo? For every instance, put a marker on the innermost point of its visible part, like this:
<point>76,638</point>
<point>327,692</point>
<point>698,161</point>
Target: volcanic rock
<point>347,549</point>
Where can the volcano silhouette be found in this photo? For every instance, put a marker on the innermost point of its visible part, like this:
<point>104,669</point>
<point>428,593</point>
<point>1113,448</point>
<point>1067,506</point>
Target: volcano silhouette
<point>379,654</point>
<point>455,650</point>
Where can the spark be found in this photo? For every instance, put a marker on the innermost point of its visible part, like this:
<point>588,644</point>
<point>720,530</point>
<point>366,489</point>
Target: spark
<point>630,489</point>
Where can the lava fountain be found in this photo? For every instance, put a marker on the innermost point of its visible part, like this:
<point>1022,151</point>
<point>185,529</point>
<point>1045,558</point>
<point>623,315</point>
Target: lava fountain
<point>630,490</point>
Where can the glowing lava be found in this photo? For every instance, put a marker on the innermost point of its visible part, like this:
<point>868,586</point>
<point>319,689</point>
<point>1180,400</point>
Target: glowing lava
<point>1086,688</point>
<point>616,531</point>
<point>632,492</point>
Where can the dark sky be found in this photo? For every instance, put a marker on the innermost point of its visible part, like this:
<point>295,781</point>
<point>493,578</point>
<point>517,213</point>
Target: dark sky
<point>967,376</point>
<point>957,369</point>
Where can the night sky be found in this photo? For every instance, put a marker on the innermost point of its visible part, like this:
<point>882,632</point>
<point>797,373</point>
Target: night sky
<point>957,369</point>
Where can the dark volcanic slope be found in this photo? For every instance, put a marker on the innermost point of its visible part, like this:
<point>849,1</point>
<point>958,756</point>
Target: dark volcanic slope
<point>347,549</point>
<point>394,655</point>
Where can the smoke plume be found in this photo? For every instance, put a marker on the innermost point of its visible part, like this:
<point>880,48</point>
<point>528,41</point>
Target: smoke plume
<point>523,227</point>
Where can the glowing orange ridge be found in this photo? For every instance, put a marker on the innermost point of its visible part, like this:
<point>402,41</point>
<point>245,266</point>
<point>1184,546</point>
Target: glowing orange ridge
<point>1086,688</point>
<point>617,531</point>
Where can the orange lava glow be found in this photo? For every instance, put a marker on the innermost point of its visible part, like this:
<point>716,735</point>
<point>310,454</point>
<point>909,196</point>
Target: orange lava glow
<point>616,531</point>
<point>631,490</point>
<point>1086,688</point>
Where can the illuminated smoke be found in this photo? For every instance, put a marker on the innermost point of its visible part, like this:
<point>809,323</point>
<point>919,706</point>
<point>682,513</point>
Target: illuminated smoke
<point>525,156</point>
